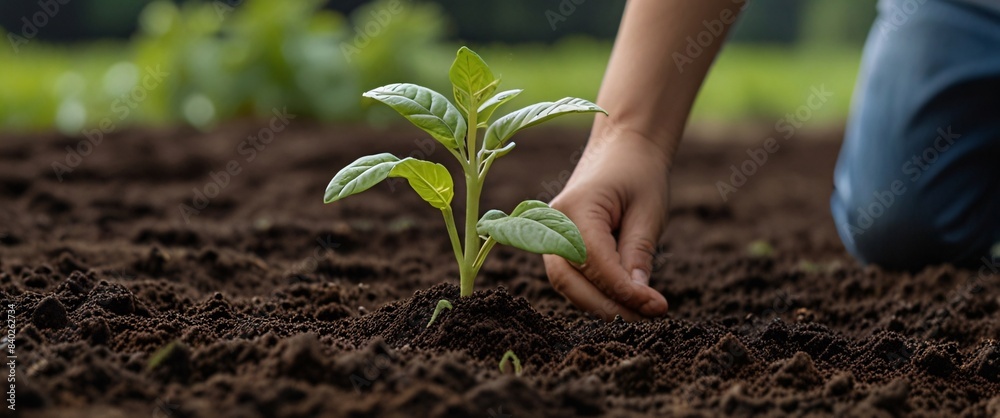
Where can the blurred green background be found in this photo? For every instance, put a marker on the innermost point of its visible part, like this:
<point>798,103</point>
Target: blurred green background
<point>86,63</point>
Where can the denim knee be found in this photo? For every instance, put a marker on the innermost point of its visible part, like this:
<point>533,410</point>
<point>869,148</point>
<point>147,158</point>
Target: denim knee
<point>918,177</point>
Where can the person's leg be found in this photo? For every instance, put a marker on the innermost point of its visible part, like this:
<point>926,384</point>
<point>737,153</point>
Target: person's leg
<point>918,177</point>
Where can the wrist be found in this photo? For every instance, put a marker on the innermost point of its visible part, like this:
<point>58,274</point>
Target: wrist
<point>607,131</point>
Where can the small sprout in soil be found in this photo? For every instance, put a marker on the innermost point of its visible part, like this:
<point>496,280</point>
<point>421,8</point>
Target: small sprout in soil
<point>532,225</point>
<point>402,224</point>
<point>509,356</point>
<point>442,305</point>
<point>810,267</point>
<point>760,248</point>
<point>161,355</point>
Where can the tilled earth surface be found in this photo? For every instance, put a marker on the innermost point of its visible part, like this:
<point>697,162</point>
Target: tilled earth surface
<point>255,299</point>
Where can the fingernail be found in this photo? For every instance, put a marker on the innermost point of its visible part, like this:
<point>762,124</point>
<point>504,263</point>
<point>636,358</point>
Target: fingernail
<point>640,276</point>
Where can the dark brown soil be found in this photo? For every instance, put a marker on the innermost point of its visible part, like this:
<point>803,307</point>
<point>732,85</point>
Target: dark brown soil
<point>269,303</point>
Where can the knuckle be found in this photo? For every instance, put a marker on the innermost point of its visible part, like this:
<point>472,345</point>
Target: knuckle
<point>644,245</point>
<point>593,273</point>
<point>625,292</point>
<point>559,282</point>
<point>558,200</point>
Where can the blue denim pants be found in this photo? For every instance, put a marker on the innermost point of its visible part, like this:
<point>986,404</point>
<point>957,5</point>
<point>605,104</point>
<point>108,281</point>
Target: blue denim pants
<point>917,181</point>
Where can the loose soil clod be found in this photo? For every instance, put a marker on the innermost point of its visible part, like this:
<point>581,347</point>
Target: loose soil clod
<point>49,314</point>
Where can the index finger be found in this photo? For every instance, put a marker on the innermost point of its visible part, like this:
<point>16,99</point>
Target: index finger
<point>570,283</point>
<point>605,271</point>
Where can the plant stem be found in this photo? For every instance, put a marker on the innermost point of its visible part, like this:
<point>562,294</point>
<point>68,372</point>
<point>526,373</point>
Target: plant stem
<point>449,222</point>
<point>481,257</point>
<point>486,167</point>
<point>471,236</point>
<point>470,141</point>
<point>460,156</point>
<point>473,188</point>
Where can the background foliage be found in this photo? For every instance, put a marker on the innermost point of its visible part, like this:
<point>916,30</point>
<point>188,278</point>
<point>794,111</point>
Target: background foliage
<point>233,58</point>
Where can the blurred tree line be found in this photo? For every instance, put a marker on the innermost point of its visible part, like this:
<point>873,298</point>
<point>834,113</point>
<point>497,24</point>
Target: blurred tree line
<point>510,21</point>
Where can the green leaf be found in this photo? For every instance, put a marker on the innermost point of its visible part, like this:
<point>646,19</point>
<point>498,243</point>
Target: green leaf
<point>425,108</point>
<point>431,181</point>
<point>528,204</point>
<point>505,127</point>
<point>490,215</point>
<point>359,176</point>
<point>535,227</point>
<point>471,77</point>
<point>487,108</point>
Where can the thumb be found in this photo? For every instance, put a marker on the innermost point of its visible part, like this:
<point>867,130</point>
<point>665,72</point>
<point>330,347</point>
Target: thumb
<point>640,231</point>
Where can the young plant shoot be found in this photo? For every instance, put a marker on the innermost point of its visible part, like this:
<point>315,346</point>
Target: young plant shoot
<point>442,305</point>
<point>510,357</point>
<point>532,225</point>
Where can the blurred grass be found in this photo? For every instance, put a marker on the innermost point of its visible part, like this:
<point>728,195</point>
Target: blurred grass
<point>264,55</point>
<point>49,80</point>
<point>746,82</point>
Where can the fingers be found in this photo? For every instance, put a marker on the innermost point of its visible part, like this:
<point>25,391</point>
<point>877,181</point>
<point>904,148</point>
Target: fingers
<point>605,270</point>
<point>637,238</point>
<point>574,286</point>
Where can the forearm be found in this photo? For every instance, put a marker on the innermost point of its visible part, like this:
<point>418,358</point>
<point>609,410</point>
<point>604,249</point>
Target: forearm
<point>655,73</point>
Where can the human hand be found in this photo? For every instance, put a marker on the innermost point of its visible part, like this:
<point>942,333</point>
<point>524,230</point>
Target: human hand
<point>617,196</point>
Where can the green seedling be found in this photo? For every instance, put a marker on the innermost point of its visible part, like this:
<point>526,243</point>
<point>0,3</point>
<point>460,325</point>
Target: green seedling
<point>760,249</point>
<point>442,305</point>
<point>510,357</point>
<point>532,225</point>
<point>810,267</point>
<point>161,355</point>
